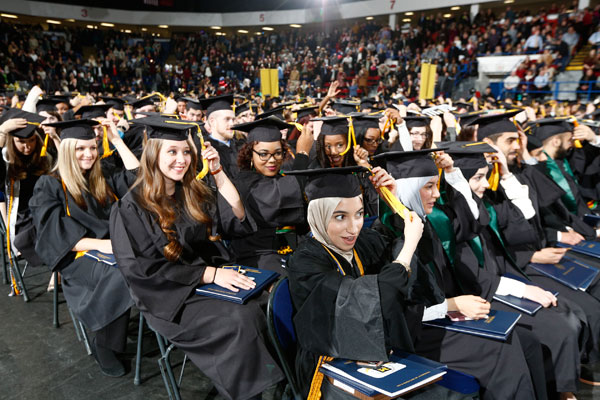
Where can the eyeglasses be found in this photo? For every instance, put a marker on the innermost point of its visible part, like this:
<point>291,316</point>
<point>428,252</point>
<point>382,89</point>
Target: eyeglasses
<point>373,141</point>
<point>265,156</point>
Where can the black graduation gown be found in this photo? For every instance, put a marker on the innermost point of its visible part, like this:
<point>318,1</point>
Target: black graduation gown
<point>347,316</point>
<point>95,292</point>
<point>225,340</point>
<point>228,155</point>
<point>557,328</point>
<point>500,367</point>
<point>585,163</point>
<point>273,202</point>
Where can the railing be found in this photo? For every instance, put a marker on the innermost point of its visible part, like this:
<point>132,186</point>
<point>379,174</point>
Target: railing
<point>554,89</point>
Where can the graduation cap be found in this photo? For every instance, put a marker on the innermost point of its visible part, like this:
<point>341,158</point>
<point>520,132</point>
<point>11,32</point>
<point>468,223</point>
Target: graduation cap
<point>263,130</point>
<point>81,129</point>
<point>330,182</point>
<point>46,105</point>
<point>191,103</point>
<point>367,103</point>
<point>333,125</point>
<point>33,122</point>
<point>276,112</point>
<point>545,128</point>
<point>242,108</point>
<point>145,101</point>
<point>466,118</point>
<point>416,121</point>
<point>363,121</point>
<point>62,98</point>
<point>217,103</point>
<point>345,106</point>
<point>306,111</point>
<point>462,104</point>
<point>595,115</point>
<point>114,102</point>
<point>491,124</point>
<point>93,111</point>
<point>469,156</point>
<point>166,128</point>
<point>410,164</point>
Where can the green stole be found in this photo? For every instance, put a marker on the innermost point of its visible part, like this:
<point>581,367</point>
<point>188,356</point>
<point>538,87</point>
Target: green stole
<point>557,176</point>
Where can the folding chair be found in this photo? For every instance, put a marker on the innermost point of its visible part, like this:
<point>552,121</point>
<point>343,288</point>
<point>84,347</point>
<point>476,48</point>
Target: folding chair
<point>282,334</point>
<point>13,264</point>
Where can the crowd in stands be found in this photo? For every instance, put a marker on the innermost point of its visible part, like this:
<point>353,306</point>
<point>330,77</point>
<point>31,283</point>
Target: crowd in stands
<point>365,58</point>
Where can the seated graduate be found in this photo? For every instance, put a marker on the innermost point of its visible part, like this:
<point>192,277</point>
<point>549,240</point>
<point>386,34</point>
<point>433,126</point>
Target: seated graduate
<point>276,202</point>
<point>585,161</point>
<point>23,164</point>
<point>70,210</point>
<point>510,374</point>
<point>481,261</point>
<point>347,291</point>
<point>166,246</point>
<point>368,134</point>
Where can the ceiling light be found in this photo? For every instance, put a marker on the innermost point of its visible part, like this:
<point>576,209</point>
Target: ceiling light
<point>369,18</point>
<point>267,28</point>
<point>242,31</point>
<point>144,29</point>
<point>163,26</point>
<point>510,1</point>
<point>127,30</point>
<point>8,16</point>
<point>70,20</point>
<point>409,13</point>
<point>295,25</point>
<point>90,26</point>
<point>455,8</point>
<point>107,24</point>
<point>258,33</point>
<point>406,20</point>
<point>447,15</point>
<point>53,21</point>
<point>215,27</point>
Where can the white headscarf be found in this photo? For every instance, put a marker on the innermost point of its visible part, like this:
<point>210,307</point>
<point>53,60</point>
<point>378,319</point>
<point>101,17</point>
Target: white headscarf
<point>407,190</point>
<point>319,215</point>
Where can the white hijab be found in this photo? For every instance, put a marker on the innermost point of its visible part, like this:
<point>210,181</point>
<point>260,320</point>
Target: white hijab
<point>407,190</point>
<point>319,215</point>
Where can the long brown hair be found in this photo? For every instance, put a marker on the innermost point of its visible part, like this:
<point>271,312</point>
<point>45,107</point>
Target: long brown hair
<point>152,195</point>
<point>75,180</point>
<point>19,164</point>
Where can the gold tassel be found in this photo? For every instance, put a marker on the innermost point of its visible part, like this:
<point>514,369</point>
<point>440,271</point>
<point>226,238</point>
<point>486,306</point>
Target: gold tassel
<point>317,380</point>
<point>351,136</point>
<point>494,177</point>
<point>106,151</point>
<point>45,146</point>
<point>576,142</point>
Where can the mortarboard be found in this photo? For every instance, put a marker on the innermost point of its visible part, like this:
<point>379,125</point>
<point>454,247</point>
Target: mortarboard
<point>33,122</point>
<point>333,125</point>
<point>165,128</point>
<point>81,129</point>
<point>191,103</point>
<point>345,106</point>
<point>543,129</point>
<point>114,102</point>
<point>491,124</point>
<point>263,130</point>
<point>276,112</point>
<point>410,164</point>
<point>469,156</point>
<point>416,121</point>
<point>46,105</point>
<point>93,111</point>
<point>330,182</point>
<point>217,103</point>
<point>367,103</point>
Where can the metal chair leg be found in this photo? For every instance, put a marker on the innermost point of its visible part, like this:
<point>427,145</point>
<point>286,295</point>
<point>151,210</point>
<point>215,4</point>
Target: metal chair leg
<point>182,369</point>
<point>3,260</point>
<point>55,321</point>
<point>14,266</point>
<point>138,355</point>
<point>86,340</point>
<point>25,268</point>
<point>76,325</point>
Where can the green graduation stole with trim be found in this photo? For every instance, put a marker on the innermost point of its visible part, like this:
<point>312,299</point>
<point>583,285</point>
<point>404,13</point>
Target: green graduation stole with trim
<point>557,176</point>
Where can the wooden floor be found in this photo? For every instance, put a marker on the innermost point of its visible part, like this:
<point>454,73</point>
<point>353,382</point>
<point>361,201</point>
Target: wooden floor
<point>38,361</point>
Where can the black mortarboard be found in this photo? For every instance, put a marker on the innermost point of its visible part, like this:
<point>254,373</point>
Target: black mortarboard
<point>491,124</point>
<point>165,128</point>
<point>33,122</point>
<point>156,114</point>
<point>191,103</point>
<point>306,111</point>
<point>276,112</point>
<point>595,115</point>
<point>469,156</point>
<point>62,98</point>
<point>81,129</point>
<point>263,130</point>
<point>146,101</point>
<point>416,121</point>
<point>367,103</point>
<point>464,105</point>
<point>242,108</point>
<point>467,118</point>
<point>217,103</point>
<point>93,111</point>
<point>345,106</point>
<point>533,143</point>
<point>333,125</point>
<point>545,128</point>
<point>410,164</point>
<point>46,105</point>
<point>365,121</point>
<point>330,182</point>
<point>114,102</point>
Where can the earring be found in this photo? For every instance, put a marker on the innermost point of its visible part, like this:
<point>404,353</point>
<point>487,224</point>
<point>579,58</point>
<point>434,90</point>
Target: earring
<point>251,164</point>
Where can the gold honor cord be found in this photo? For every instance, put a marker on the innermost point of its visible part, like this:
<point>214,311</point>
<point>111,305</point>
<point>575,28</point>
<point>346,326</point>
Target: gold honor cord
<point>204,171</point>
<point>392,201</point>
<point>128,114</point>
<point>494,177</point>
<point>163,99</point>
<point>576,142</point>
<point>298,126</point>
<point>106,151</point>
<point>389,123</point>
<point>8,250</point>
<point>351,136</point>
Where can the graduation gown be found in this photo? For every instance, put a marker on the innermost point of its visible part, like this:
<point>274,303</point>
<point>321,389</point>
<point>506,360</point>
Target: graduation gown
<point>347,316</point>
<point>225,340</point>
<point>500,367</point>
<point>585,163</point>
<point>228,155</point>
<point>557,328</point>
<point>96,292</point>
<point>273,202</point>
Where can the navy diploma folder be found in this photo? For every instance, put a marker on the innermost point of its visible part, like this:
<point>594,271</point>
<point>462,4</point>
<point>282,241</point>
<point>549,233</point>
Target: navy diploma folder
<point>262,278</point>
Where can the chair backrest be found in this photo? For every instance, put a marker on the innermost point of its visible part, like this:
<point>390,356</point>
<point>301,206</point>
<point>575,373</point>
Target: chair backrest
<point>281,330</point>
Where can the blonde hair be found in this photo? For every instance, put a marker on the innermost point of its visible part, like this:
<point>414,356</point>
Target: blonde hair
<point>153,197</point>
<point>75,181</point>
